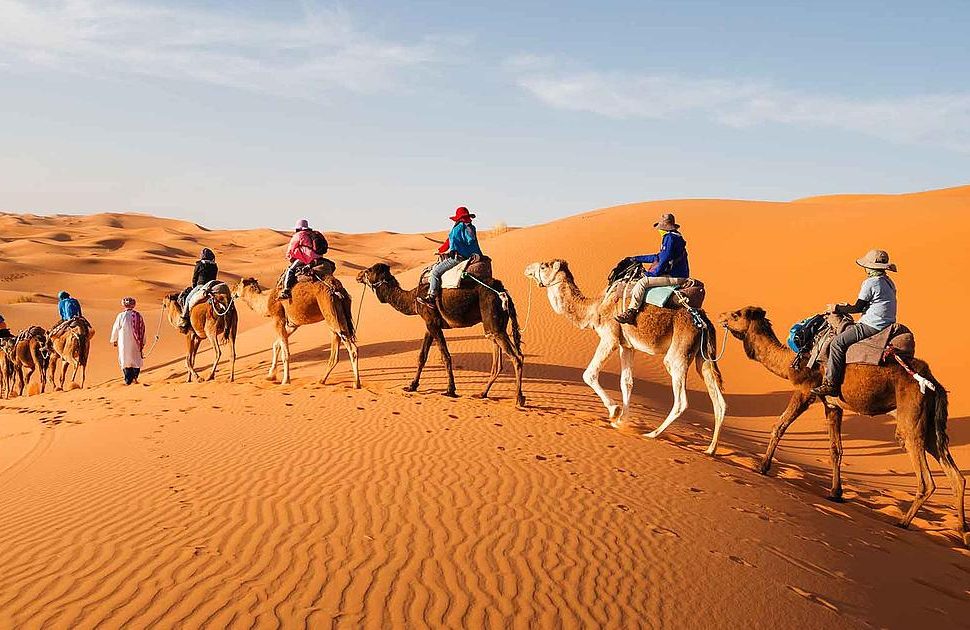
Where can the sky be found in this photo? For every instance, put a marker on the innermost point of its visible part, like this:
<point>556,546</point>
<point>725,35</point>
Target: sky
<point>376,115</point>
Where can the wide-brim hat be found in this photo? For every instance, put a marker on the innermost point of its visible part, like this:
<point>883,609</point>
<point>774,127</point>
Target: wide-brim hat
<point>462,213</point>
<point>667,222</point>
<point>876,259</point>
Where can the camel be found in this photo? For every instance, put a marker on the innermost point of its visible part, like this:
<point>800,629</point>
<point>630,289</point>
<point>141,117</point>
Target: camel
<point>310,302</point>
<point>868,390</point>
<point>211,319</point>
<point>667,331</point>
<point>457,308</point>
<point>70,346</point>
<point>7,375</point>
<point>31,353</point>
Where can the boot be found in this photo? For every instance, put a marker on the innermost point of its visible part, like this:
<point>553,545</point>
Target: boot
<point>629,316</point>
<point>184,325</point>
<point>285,294</point>
<point>428,300</point>
<point>827,388</point>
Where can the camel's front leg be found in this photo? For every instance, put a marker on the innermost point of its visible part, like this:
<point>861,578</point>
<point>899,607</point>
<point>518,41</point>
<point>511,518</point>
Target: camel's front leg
<point>285,358</point>
<point>192,346</point>
<point>626,384</point>
<point>797,405</point>
<point>446,357</point>
<point>213,334</point>
<point>592,374</point>
<point>833,413</point>
<point>334,356</point>
<point>422,359</point>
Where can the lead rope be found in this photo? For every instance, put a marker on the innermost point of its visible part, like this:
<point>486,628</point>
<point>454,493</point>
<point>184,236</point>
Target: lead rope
<point>701,323</point>
<point>158,333</point>
<point>502,295</point>
<point>360,305</point>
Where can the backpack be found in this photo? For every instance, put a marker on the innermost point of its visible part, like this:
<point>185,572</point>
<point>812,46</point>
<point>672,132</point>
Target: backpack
<point>320,245</point>
<point>802,334</point>
<point>72,307</point>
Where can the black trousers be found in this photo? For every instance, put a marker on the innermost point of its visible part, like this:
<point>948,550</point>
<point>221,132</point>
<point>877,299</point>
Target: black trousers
<point>853,334</point>
<point>131,374</point>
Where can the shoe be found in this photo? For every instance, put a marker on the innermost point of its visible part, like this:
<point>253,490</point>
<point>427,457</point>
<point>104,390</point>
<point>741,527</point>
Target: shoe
<point>285,294</point>
<point>629,316</point>
<point>827,388</point>
<point>428,300</point>
<point>184,325</point>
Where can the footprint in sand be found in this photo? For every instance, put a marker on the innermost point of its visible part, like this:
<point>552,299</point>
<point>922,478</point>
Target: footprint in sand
<point>663,531</point>
<point>814,598</point>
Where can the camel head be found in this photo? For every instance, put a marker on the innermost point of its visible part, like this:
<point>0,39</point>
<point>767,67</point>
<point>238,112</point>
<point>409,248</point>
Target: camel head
<point>550,273</point>
<point>739,321</point>
<point>376,275</point>
<point>246,286</point>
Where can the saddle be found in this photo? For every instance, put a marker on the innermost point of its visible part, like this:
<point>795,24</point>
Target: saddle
<point>876,350</point>
<point>74,322</point>
<point>479,267</point>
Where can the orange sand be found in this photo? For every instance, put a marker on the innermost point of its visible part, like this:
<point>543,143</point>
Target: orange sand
<point>183,505</point>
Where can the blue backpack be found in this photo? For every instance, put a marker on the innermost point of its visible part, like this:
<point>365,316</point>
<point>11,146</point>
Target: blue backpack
<point>802,335</point>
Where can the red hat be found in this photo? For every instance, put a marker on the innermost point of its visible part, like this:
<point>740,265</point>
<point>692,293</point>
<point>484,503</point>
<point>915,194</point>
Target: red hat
<point>462,214</point>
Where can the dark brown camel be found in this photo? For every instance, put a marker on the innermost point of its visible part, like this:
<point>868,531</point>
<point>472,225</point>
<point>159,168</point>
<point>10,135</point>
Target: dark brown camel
<point>212,319</point>
<point>31,353</point>
<point>459,308</point>
<point>868,390</point>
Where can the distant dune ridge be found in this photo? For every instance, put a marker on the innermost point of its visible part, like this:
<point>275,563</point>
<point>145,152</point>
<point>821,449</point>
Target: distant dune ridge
<point>183,505</point>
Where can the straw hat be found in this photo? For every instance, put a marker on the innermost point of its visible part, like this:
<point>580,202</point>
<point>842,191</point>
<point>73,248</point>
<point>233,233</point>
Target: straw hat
<point>876,259</point>
<point>667,223</point>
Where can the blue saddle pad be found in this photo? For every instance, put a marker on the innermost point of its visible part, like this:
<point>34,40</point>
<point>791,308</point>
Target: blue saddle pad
<point>659,296</point>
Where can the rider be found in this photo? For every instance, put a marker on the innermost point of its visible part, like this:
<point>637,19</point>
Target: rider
<point>67,308</point>
<point>307,246</point>
<point>4,331</point>
<point>876,302</point>
<point>668,264</point>
<point>461,245</point>
<point>205,272</point>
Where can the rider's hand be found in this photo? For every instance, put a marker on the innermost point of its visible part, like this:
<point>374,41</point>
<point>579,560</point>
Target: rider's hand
<point>830,308</point>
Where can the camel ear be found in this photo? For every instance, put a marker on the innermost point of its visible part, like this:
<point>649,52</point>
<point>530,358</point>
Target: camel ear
<point>756,312</point>
<point>557,266</point>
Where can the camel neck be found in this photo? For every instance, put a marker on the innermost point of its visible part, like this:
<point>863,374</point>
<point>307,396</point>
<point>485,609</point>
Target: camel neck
<point>762,345</point>
<point>567,300</point>
<point>401,300</point>
<point>259,302</point>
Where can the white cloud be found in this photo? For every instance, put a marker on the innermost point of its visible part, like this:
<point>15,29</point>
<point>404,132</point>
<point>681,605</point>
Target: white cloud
<point>933,119</point>
<point>306,57</point>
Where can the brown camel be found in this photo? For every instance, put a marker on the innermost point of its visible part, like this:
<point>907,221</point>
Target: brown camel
<point>70,346</point>
<point>310,302</point>
<point>7,374</point>
<point>458,308</point>
<point>868,390</point>
<point>667,331</point>
<point>31,353</point>
<point>211,319</point>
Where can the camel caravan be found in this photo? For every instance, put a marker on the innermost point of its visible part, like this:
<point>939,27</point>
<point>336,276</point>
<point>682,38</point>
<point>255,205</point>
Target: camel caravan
<point>651,303</point>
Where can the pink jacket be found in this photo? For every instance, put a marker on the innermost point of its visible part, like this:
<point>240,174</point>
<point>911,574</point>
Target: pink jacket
<point>301,247</point>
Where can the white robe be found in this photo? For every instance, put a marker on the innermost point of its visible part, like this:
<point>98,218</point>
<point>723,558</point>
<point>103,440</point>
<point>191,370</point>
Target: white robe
<point>123,332</point>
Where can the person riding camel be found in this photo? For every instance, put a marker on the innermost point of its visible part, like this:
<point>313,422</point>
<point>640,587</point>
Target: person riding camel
<point>461,245</point>
<point>205,273</point>
<point>4,331</point>
<point>306,247</point>
<point>669,263</point>
<point>67,309</point>
<point>876,302</point>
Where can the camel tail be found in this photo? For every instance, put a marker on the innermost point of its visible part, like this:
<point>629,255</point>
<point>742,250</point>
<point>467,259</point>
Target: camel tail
<point>513,314</point>
<point>938,411</point>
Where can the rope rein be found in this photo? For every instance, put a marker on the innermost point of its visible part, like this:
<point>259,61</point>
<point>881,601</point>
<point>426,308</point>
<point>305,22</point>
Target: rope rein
<point>360,305</point>
<point>502,295</point>
<point>158,333</point>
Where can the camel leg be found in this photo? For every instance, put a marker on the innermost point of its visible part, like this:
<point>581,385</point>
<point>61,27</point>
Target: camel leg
<point>959,486</point>
<point>626,384</point>
<point>446,358</point>
<point>797,405</point>
<point>925,486</point>
<point>285,358</point>
<point>833,414</point>
<point>517,364</point>
<point>354,363</point>
<point>192,347</point>
<point>84,372</point>
<point>213,334</point>
<point>677,367</point>
<point>232,358</point>
<point>334,356</point>
<point>422,359</point>
<point>64,366</point>
<point>592,374</point>
<point>496,366</point>
<point>271,374</point>
<point>713,383</point>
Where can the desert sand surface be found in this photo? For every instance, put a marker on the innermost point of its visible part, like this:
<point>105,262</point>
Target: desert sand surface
<point>251,504</point>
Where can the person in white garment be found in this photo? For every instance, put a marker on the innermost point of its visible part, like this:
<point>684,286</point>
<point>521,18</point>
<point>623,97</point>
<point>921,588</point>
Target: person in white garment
<point>128,335</point>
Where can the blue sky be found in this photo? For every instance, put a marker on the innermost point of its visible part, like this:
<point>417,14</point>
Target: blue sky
<point>375,115</point>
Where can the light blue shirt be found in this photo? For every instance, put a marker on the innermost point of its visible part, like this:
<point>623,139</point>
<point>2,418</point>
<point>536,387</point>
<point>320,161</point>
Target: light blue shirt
<point>879,292</point>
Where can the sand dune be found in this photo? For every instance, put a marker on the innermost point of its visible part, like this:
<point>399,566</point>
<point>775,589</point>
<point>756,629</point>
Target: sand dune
<point>175,504</point>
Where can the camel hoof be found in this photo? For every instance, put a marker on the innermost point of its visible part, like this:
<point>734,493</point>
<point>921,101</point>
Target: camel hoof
<point>835,498</point>
<point>411,388</point>
<point>617,424</point>
<point>270,377</point>
<point>765,468</point>
<point>711,450</point>
<point>483,395</point>
<point>520,402</point>
<point>615,412</point>
<point>450,395</point>
<point>902,525</point>
<point>652,435</point>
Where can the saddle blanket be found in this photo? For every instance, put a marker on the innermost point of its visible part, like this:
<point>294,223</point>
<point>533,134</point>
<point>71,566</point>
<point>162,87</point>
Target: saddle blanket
<point>868,351</point>
<point>477,266</point>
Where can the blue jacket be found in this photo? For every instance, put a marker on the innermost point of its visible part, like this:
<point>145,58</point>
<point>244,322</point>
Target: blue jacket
<point>68,308</point>
<point>671,260</point>
<point>463,240</point>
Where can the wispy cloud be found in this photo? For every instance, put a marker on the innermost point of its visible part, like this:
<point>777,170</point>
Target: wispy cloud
<point>932,119</point>
<point>307,57</point>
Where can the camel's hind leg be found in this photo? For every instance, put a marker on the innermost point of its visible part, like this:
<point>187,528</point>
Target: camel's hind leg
<point>712,379</point>
<point>334,356</point>
<point>439,336</point>
<point>959,486</point>
<point>496,366</point>
<point>213,335</point>
<point>677,367</point>
<point>925,486</point>
<point>592,374</point>
<point>833,413</point>
<point>797,405</point>
<point>354,360</point>
<point>517,364</point>
<point>422,359</point>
